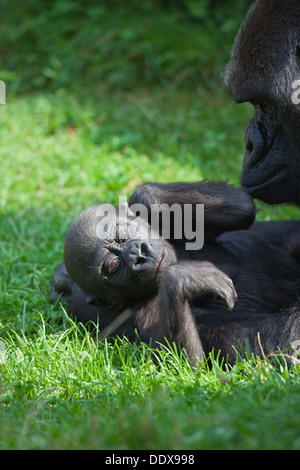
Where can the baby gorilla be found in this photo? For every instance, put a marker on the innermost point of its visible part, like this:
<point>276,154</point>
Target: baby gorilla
<point>126,267</point>
<point>114,260</point>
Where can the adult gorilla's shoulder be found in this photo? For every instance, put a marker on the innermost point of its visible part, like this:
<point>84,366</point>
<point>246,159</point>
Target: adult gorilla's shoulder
<point>264,67</point>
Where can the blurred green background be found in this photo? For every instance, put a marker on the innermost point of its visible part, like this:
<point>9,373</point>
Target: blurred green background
<point>50,45</point>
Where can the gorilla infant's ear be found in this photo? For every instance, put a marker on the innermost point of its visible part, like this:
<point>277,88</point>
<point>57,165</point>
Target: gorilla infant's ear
<point>114,305</point>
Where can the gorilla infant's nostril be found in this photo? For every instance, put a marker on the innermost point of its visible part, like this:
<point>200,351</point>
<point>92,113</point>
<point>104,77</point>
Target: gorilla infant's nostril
<point>142,256</point>
<point>144,249</point>
<point>138,255</point>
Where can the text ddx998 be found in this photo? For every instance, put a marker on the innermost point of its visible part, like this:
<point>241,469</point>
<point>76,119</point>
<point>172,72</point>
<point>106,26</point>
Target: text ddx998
<point>136,460</point>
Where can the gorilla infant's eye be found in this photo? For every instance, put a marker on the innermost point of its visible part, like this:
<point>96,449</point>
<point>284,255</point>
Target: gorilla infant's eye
<point>112,265</point>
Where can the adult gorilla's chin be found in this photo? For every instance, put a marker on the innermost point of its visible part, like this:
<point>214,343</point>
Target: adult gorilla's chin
<point>266,174</point>
<point>270,172</point>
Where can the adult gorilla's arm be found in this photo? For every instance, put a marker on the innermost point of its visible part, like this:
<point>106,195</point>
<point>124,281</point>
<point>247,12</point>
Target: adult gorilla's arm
<point>225,208</point>
<point>260,334</point>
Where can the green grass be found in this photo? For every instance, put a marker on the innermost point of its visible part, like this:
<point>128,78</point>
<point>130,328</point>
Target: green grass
<point>63,391</point>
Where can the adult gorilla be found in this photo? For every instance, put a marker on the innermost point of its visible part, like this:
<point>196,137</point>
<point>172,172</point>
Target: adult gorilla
<point>265,70</point>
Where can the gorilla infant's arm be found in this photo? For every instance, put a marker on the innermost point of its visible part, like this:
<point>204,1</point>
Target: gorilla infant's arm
<point>169,315</point>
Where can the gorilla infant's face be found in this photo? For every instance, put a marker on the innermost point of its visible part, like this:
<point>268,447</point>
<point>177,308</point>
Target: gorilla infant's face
<point>114,257</point>
<point>265,70</point>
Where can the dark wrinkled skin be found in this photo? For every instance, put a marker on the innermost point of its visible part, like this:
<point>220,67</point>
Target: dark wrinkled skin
<point>179,297</point>
<point>265,62</point>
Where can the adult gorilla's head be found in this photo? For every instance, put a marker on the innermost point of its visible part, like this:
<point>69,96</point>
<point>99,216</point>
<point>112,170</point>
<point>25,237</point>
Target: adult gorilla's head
<point>264,70</point>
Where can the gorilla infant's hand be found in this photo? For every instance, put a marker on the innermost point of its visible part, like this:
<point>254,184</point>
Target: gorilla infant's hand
<point>186,279</point>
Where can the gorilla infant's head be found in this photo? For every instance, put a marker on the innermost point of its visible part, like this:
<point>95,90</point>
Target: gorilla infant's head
<point>265,70</point>
<point>114,257</point>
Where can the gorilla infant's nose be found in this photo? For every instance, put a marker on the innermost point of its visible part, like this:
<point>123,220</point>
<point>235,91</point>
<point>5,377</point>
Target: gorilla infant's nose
<point>137,255</point>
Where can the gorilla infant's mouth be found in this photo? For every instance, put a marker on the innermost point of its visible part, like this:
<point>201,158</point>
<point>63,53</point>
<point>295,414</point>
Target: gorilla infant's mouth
<point>159,261</point>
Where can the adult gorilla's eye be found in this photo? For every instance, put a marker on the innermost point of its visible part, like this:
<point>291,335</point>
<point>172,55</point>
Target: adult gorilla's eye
<point>112,265</point>
<point>266,108</point>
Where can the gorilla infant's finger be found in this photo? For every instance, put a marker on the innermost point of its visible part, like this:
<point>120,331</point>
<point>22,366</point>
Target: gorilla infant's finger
<point>231,298</point>
<point>227,293</point>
